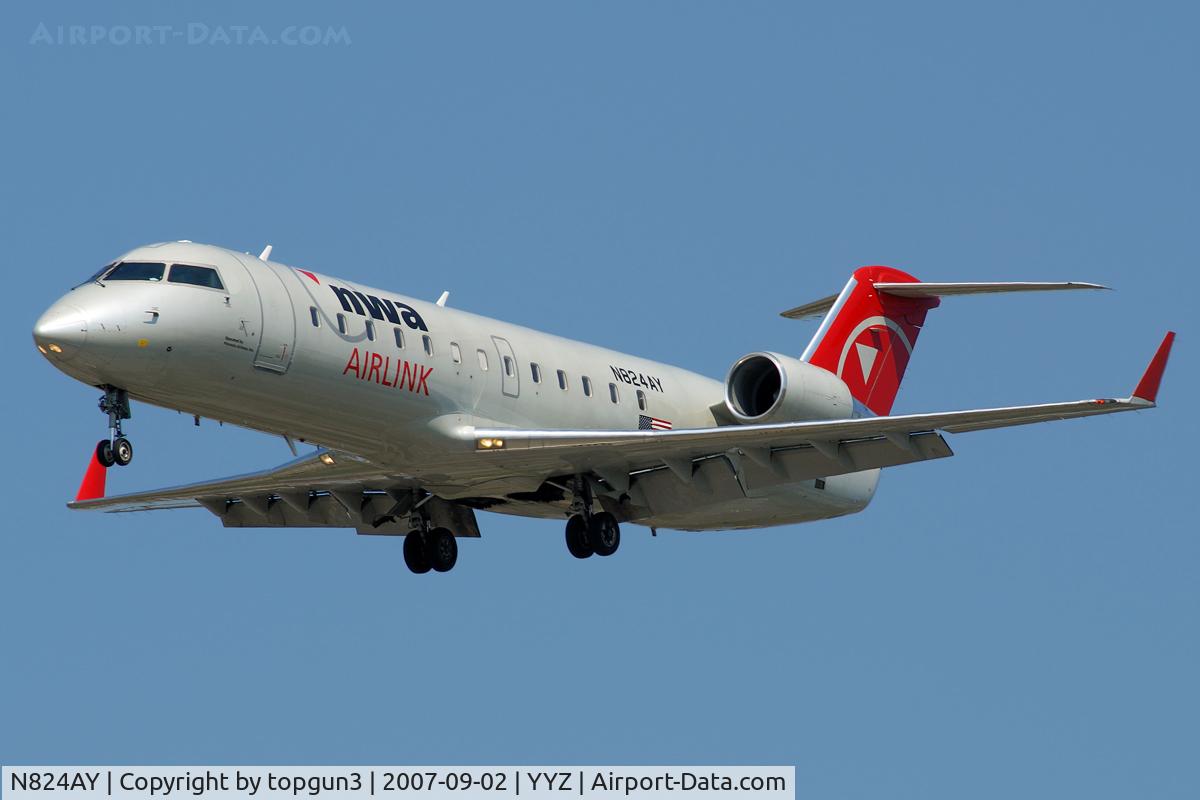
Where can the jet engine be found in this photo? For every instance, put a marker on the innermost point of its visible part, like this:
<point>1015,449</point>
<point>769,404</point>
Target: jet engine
<point>769,387</point>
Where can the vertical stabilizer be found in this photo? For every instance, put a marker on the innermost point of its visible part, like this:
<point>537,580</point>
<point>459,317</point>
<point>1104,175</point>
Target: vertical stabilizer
<point>867,337</point>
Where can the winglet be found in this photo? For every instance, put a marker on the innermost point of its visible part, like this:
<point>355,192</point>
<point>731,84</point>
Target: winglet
<point>92,487</point>
<point>1147,388</point>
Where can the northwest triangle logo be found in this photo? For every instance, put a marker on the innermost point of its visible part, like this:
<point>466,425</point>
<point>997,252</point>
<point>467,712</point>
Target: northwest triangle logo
<point>866,358</point>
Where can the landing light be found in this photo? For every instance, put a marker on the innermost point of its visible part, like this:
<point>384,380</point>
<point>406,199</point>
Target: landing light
<point>42,349</point>
<point>488,443</point>
<point>54,348</point>
<point>327,459</point>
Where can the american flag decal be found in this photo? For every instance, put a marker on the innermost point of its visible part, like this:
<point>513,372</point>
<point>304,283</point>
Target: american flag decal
<point>653,423</point>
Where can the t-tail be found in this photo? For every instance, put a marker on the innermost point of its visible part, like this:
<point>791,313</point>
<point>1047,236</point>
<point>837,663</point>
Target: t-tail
<point>869,330</point>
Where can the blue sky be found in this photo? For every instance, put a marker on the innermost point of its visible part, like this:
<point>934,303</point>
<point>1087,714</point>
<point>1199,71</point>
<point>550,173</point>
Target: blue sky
<point>663,179</point>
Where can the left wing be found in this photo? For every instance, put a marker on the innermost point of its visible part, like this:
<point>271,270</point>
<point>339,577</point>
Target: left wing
<point>290,479</point>
<point>326,489</point>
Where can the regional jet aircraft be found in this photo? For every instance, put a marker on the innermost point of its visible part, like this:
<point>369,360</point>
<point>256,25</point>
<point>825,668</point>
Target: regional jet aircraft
<point>423,414</point>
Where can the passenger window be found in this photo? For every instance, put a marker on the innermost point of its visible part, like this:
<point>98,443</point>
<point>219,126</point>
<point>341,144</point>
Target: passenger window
<point>641,399</point>
<point>315,315</point>
<point>428,345</point>
<point>612,393</point>
<point>562,380</point>
<point>399,334</point>
<point>482,360</point>
<point>535,372</point>
<point>455,353</point>
<point>587,386</point>
<point>137,271</point>
<point>510,368</point>
<point>196,276</point>
<point>370,330</point>
<point>341,323</point>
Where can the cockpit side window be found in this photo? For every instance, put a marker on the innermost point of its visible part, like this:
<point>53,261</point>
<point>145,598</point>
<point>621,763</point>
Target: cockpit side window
<point>196,276</point>
<point>137,271</point>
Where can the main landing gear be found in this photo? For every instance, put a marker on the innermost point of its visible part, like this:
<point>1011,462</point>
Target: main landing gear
<point>434,549</point>
<point>427,548</point>
<point>589,533</point>
<point>116,449</point>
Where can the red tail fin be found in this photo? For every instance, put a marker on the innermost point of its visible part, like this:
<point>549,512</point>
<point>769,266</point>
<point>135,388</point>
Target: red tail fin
<point>867,337</point>
<point>92,485</point>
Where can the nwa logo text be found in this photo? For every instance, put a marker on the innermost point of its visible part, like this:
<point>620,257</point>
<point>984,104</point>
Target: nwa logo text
<point>380,308</point>
<point>636,378</point>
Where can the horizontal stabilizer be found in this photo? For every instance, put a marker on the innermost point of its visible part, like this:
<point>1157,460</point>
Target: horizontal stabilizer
<point>952,289</point>
<point>816,308</point>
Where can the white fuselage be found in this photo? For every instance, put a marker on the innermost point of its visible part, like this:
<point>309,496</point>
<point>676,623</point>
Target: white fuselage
<point>386,377</point>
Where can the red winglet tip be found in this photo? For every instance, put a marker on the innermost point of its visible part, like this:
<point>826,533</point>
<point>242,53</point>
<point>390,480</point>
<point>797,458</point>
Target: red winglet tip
<point>1147,388</point>
<point>92,487</point>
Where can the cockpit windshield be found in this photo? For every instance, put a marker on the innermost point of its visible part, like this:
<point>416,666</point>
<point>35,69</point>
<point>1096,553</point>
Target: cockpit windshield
<point>137,271</point>
<point>98,275</point>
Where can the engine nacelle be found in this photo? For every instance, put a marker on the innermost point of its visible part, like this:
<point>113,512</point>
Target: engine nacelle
<point>769,387</point>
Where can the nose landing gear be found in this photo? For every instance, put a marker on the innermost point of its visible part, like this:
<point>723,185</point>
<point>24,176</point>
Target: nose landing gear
<point>116,449</point>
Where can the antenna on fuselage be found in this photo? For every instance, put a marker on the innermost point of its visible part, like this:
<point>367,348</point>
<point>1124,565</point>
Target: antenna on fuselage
<point>265,254</point>
<point>441,301</point>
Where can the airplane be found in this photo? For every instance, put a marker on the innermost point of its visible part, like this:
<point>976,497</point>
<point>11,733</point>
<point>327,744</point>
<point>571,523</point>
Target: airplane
<point>423,414</point>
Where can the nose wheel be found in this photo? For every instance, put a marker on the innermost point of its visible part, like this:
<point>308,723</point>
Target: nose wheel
<point>116,449</point>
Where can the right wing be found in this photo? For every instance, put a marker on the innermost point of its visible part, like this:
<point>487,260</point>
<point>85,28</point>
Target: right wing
<point>838,442</point>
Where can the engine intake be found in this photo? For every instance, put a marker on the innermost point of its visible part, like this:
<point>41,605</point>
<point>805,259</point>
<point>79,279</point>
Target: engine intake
<point>770,387</point>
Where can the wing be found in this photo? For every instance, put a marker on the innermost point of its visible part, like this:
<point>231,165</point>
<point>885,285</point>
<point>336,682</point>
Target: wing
<point>328,471</point>
<point>811,449</point>
<point>322,490</point>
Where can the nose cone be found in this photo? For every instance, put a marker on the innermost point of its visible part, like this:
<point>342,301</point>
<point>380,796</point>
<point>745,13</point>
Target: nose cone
<point>61,332</point>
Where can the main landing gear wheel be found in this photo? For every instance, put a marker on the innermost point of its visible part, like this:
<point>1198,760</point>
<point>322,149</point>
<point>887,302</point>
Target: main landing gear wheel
<point>604,534</point>
<point>416,555</point>
<point>122,451</point>
<point>577,537</point>
<point>104,453</point>
<point>442,548</point>
<point>436,549</point>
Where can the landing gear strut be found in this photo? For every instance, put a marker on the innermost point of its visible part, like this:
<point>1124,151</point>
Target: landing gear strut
<point>589,533</point>
<point>116,449</point>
